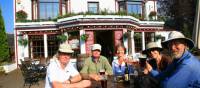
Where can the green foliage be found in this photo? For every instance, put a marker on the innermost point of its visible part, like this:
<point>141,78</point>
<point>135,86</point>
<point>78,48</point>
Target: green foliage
<point>62,38</point>
<point>23,42</point>
<point>157,37</point>
<point>2,69</point>
<point>84,37</point>
<point>186,31</point>
<point>137,35</point>
<point>21,15</point>
<point>152,13</point>
<point>4,49</point>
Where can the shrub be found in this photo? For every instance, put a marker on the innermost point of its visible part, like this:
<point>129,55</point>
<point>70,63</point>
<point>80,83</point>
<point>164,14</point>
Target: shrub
<point>21,15</point>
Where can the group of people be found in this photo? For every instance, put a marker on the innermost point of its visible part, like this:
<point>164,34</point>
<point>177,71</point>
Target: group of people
<point>179,69</point>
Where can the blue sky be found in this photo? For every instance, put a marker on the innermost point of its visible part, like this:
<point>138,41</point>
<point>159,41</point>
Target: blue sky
<point>7,12</point>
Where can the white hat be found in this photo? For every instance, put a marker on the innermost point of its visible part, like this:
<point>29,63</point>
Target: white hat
<point>175,35</point>
<point>152,45</point>
<point>96,47</point>
<point>65,48</point>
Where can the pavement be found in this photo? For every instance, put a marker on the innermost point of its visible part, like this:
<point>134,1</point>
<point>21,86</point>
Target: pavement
<point>14,79</point>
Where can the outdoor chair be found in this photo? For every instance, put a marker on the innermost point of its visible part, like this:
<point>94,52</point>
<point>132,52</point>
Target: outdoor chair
<point>30,74</point>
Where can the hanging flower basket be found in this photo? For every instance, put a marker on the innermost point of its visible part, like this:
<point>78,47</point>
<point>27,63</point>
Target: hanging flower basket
<point>126,35</point>
<point>62,38</point>
<point>23,42</point>
<point>152,13</point>
<point>137,35</point>
<point>84,37</point>
<point>157,37</point>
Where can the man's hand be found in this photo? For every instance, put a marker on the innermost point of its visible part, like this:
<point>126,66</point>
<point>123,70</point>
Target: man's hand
<point>95,77</point>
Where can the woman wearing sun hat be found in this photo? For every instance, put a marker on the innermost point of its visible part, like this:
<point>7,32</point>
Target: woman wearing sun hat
<point>184,71</point>
<point>158,62</point>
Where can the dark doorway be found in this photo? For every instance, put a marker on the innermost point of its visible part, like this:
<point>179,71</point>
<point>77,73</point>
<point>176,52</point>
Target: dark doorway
<point>105,38</point>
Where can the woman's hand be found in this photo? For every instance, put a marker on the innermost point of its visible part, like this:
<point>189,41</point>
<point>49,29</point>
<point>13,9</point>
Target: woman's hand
<point>148,68</point>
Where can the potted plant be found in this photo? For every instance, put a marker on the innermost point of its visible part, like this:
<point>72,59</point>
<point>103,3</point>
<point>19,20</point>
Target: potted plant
<point>84,37</point>
<point>21,15</point>
<point>152,15</point>
<point>137,35</point>
<point>23,42</point>
<point>62,38</point>
<point>157,37</point>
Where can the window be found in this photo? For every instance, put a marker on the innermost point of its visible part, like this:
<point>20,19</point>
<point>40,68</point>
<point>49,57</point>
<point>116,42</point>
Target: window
<point>122,6</point>
<point>93,7</point>
<point>48,9</point>
<point>131,6</point>
<point>138,41</point>
<point>134,7</point>
<point>149,37</point>
<point>52,44</point>
<point>37,46</point>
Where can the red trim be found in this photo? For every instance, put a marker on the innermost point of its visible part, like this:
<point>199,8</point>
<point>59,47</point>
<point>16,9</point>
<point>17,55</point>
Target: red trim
<point>60,7</point>
<point>16,52</point>
<point>154,5</point>
<point>66,6</point>
<point>32,9</point>
<point>38,10</point>
<point>69,6</point>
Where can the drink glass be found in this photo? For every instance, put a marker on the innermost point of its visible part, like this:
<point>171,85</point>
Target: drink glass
<point>143,62</point>
<point>102,72</point>
<point>103,78</point>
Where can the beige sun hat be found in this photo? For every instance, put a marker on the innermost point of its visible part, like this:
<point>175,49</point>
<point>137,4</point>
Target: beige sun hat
<point>150,46</point>
<point>65,48</point>
<point>96,47</point>
<point>175,35</point>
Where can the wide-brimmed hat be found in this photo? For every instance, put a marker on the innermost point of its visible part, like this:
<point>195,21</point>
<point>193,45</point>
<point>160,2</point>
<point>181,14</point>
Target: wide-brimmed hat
<point>96,47</point>
<point>65,48</point>
<point>150,46</point>
<point>175,35</point>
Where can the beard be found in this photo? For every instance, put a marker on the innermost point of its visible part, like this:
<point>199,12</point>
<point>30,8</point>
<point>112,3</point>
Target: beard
<point>177,55</point>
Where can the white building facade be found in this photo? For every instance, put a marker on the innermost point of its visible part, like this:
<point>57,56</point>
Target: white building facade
<point>102,21</point>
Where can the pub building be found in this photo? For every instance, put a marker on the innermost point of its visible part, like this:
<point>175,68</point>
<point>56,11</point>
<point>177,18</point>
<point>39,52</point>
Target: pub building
<point>83,30</point>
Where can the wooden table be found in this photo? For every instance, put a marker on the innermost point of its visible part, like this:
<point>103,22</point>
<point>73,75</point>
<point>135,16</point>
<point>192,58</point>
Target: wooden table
<point>112,84</point>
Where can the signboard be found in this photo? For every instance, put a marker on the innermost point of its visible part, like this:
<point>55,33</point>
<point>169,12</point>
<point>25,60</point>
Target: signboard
<point>90,41</point>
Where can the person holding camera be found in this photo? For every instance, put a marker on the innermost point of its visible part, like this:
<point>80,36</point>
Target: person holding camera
<point>184,71</point>
<point>157,61</point>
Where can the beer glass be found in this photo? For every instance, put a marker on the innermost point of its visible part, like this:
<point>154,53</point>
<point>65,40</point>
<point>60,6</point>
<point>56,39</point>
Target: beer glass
<point>103,78</point>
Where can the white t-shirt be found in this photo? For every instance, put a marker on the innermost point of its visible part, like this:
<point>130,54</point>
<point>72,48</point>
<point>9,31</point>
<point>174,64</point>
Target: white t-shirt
<point>55,73</point>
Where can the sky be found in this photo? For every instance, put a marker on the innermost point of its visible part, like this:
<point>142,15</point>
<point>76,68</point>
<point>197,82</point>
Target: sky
<point>7,13</point>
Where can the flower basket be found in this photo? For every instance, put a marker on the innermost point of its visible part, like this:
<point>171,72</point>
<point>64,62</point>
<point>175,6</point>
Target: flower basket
<point>21,15</point>
<point>157,37</point>
<point>62,38</point>
<point>152,13</point>
<point>84,37</point>
<point>23,42</point>
<point>137,35</point>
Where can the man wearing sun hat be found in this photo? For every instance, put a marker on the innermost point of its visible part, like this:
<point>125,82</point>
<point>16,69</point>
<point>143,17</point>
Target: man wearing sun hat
<point>184,72</point>
<point>95,63</point>
<point>61,73</point>
<point>158,62</point>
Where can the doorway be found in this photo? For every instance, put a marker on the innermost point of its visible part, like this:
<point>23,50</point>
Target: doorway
<point>106,40</point>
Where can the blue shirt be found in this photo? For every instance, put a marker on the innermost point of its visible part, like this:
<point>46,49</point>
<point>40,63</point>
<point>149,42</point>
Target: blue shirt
<point>118,69</point>
<point>182,73</point>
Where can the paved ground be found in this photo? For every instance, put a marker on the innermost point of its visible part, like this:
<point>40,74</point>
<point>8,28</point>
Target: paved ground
<point>15,80</point>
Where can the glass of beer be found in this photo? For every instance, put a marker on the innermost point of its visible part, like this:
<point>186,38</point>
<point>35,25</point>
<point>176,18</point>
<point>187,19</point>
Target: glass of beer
<point>102,72</point>
<point>103,78</point>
